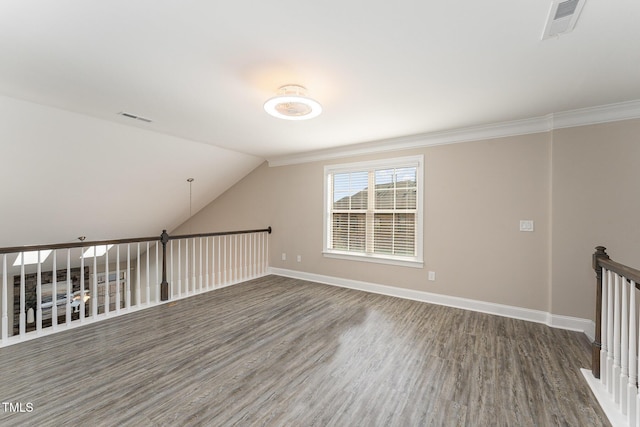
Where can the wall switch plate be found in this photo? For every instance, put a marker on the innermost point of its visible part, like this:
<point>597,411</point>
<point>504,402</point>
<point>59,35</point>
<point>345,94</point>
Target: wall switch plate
<point>526,225</point>
<point>432,276</point>
<point>284,256</point>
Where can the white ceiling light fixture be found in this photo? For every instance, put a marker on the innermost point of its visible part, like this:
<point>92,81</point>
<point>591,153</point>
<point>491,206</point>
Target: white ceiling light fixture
<point>292,103</point>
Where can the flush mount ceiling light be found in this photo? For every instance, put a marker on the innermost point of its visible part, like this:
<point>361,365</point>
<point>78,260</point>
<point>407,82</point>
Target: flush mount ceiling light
<point>292,103</point>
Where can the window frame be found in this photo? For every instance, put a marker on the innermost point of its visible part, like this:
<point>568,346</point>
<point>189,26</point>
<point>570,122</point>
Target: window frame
<point>417,161</point>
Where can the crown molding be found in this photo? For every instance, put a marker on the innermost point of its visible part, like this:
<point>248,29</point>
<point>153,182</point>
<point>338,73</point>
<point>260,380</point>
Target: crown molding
<point>595,115</point>
<point>581,117</point>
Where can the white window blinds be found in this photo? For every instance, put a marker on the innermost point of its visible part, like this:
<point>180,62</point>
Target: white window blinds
<point>373,209</point>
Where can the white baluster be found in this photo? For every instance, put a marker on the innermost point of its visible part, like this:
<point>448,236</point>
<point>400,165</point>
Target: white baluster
<point>255,262</point>
<point>229,265</point>
<point>258,250</point>
<point>247,263</point>
<point>194,282</point>
<point>171,269</point>
<point>138,299</point>
<point>247,256</point>
<point>54,292</point>
<point>616,341</point>
<point>235,260</point>
<point>200,265</point>
<point>158,278</point>
<point>250,256</point>
<point>23,314</point>
<point>219,264</point>
<point>39,295</point>
<point>148,278</point>
<point>265,250</point>
<point>186,266</point>
<point>239,258</point>
<point>244,266</point>
<point>127,292</point>
<point>206,258</point>
<point>610,340</point>
<point>261,254</point>
<point>258,255</point>
<point>5,308</point>
<point>213,262</point>
<point>603,329</point>
<point>632,390</point>
<point>255,254</point>
<point>225,259</point>
<point>107,282</point>
<point>69,289</point>
<point>624,345</point>
<point>81,301</point>
<point>118,282</point>
<point>94,286</point>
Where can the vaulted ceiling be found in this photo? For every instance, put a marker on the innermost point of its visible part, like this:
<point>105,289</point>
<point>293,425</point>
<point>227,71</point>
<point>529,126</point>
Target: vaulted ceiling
<point>201,71</point>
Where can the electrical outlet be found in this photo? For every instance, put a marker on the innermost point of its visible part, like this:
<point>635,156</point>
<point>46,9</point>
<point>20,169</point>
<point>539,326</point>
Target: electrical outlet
<point>284,256</point>
<point>526,225</point>
<point>299,258</point>
<point>432,276</point>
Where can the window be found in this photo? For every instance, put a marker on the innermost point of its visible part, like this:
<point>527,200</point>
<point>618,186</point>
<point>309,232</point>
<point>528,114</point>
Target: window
<point>373,211</point>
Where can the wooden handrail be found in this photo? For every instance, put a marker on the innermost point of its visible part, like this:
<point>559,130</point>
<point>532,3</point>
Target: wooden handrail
<point>220,233</point>
<point>84,244</point>
<point>621,270</point>
<point>602,260</point>
<point>163,238</point>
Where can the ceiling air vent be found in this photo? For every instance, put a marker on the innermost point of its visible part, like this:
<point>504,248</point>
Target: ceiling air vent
<point>562,17</point>
<point>134,117</point>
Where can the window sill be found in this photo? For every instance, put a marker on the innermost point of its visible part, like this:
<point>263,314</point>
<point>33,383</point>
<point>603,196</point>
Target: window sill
<point>373,258</point>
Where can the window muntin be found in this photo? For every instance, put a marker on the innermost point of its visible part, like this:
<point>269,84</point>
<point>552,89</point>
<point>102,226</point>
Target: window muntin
<point>374,210</point>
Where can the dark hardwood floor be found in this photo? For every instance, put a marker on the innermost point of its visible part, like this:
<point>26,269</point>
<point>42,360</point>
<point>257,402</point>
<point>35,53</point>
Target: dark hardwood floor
<point>282,352</point>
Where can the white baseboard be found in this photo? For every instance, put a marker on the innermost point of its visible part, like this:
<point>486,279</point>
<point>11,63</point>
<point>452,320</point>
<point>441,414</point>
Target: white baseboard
<point>616,418</point>
<point>557,321</point>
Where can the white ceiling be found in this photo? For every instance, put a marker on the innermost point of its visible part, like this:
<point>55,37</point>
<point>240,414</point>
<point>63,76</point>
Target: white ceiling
<point>203,69</point>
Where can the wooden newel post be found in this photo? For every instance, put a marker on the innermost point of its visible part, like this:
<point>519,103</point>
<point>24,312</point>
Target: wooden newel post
<point>599,254</point>
<point>164,286</point>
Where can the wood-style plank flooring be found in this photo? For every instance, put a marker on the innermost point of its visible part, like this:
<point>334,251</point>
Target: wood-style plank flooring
<point>282,352</point>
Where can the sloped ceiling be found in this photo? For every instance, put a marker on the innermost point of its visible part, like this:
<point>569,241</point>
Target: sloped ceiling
<point>66,175</point>
<point>201,70</point>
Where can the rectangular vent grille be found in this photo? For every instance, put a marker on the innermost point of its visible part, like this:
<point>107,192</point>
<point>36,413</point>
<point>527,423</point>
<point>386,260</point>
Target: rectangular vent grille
<point>134,117</point>
<point>562,18</point>
<point>566,8</point>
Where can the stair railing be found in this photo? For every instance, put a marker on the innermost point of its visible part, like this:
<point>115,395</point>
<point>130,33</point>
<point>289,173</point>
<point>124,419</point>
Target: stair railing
<point>47,288</point>
<point>615,358</point>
